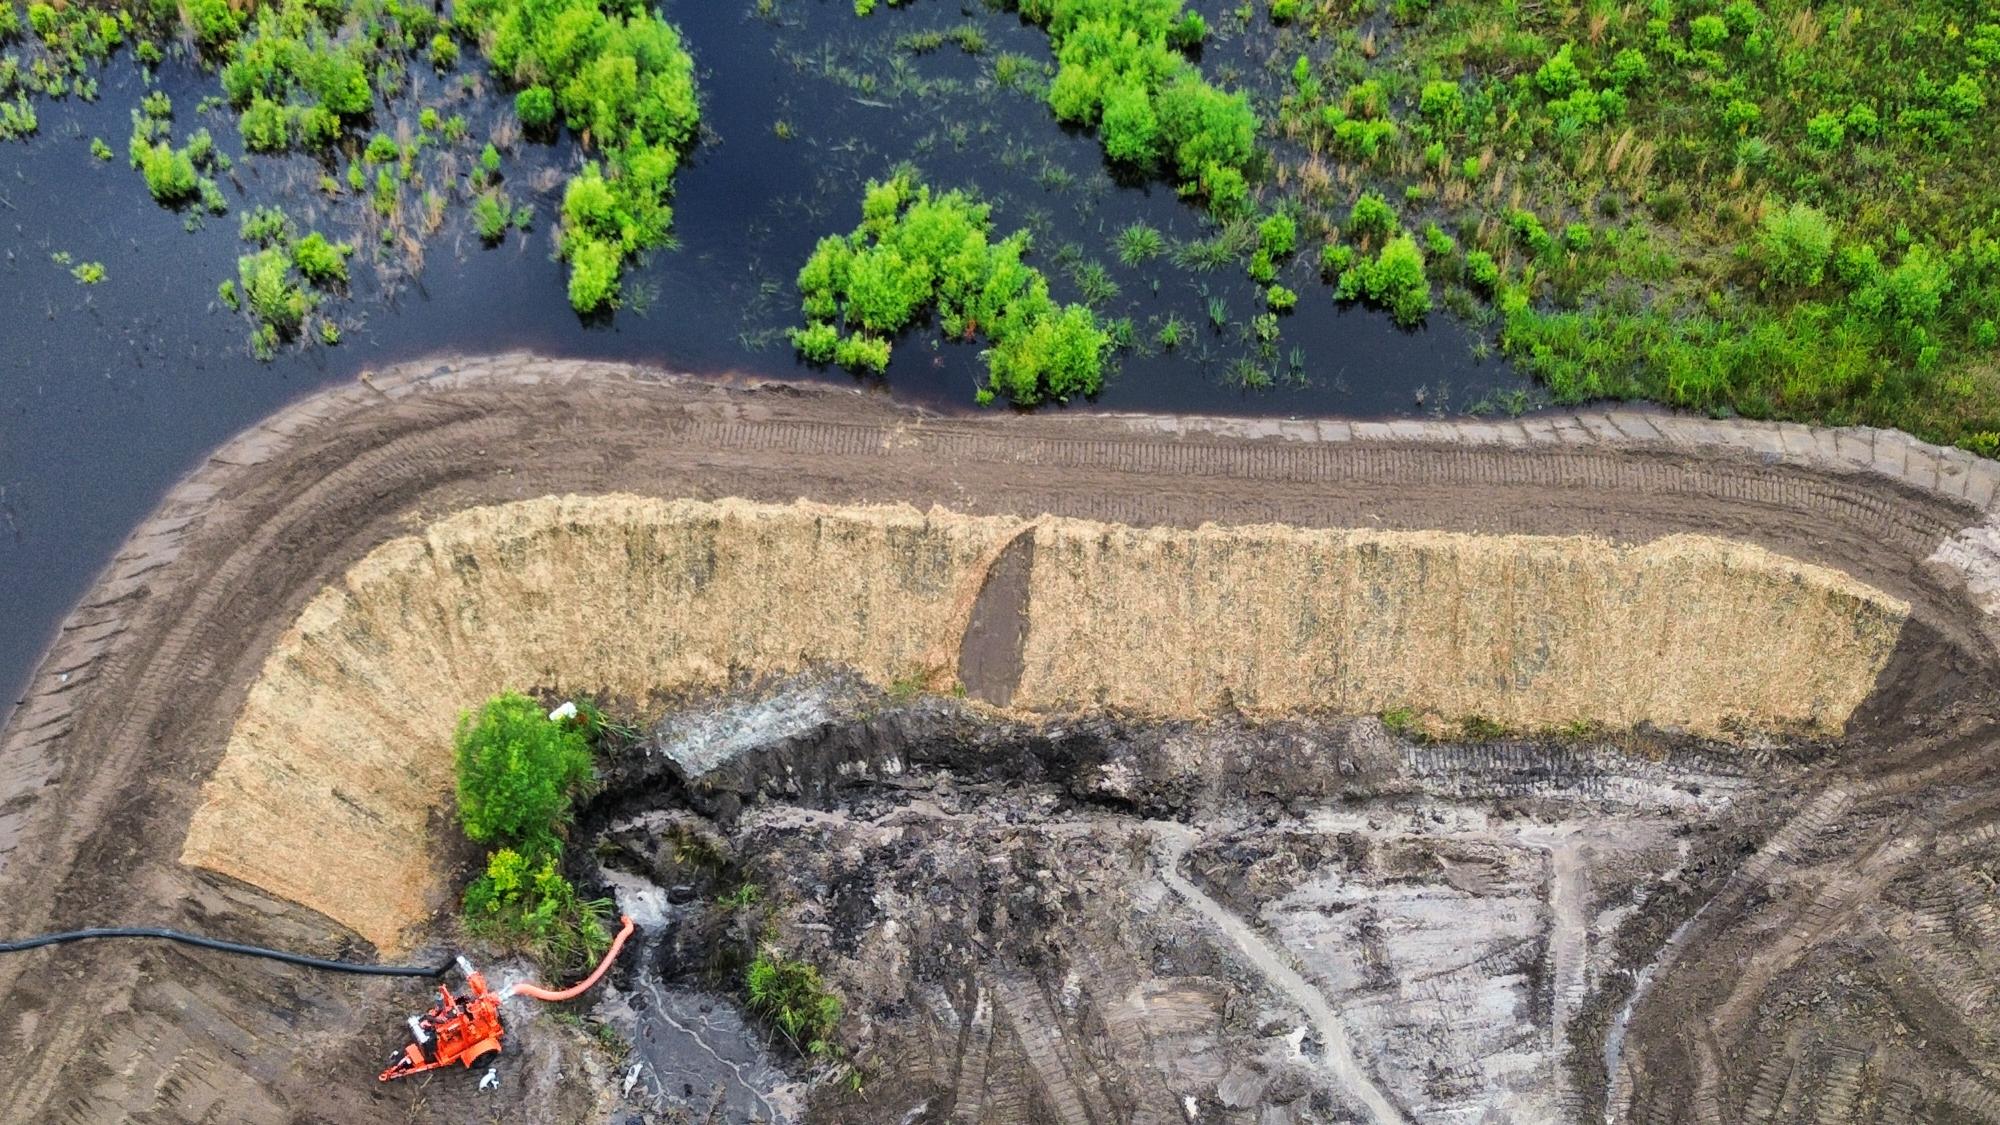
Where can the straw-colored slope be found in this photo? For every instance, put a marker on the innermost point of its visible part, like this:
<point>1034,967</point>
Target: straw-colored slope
<point>1531,631</point>
<point>338,769</point>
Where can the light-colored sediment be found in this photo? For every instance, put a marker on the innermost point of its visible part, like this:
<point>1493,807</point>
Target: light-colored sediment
<point>1534,632</point>
<point>345,735</point>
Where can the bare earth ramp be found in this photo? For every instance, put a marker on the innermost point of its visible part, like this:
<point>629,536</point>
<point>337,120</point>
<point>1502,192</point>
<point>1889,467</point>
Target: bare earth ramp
<point>102,766</point>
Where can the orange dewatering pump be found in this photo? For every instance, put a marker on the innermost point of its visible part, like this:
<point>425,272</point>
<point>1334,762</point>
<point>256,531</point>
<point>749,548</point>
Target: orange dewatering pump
<point>465,1029</point>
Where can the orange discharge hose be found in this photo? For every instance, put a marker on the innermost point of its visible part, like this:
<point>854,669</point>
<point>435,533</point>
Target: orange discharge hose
<point>577,990</point>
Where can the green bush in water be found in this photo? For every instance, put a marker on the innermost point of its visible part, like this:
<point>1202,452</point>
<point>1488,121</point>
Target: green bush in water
<point>169,173</point>
<point>915,251</point>
<point>274,297</point>
<point>1395,280</point>
<point>536,107</point>
<point>622,80</point>
<point>1119,67</point>
<point>322,262</point>
<point>491,216</point>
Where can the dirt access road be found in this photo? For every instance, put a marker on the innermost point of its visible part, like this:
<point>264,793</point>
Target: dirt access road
<point>100,767</point>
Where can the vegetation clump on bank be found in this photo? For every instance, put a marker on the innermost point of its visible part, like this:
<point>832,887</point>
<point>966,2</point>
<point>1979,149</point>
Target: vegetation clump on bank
<point>518,772</point>
<point>914,252</point>
<point>619,77</point>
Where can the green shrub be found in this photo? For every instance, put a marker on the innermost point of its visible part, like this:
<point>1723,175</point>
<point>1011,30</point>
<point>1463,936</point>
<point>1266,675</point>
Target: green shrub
<point>1280,299</point>
<point>266,126</point>
<point>536,107</point>
<point>1825,131</point>
<point>1707,32</point>
<point>861,352</point>
<point>1559,76</point>
<point>322,262</point>
<point>1795,244</point>
<point>1277,235</point>
<point>1527,229</point>
<point>1628,68</point>
<point>169,174</point>
<point>1371,216</point>
<point>1118,68</point>
<point>491,216</point>
<point>1437,243</point>
<point>792,996</point>
<point>1395,280</point>
<point>817,341</point>
<point>444,52</point>
<point>915,250</point>
<point>619,76</point>
<point>1740,114</point>
<point>517,771</point>
<point>272,294</point>
<point>1441,101</point>
<point>215,23</point>
<point>1482,270</point>
<point>265,226</point>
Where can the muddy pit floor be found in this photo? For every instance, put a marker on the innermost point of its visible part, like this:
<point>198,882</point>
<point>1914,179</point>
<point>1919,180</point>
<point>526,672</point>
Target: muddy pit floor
<point>1084,922</point>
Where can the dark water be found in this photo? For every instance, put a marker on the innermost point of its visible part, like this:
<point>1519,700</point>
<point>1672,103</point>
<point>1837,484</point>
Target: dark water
<point>109,393</point>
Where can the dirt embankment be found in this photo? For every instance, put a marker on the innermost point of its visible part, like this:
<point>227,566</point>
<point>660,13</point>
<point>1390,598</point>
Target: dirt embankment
<point>345,735</point>
<point>102,768</point>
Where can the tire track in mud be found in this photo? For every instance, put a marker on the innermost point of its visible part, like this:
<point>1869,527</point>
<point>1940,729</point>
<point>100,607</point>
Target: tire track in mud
<point>1172,842</point>
<point>126,715</point>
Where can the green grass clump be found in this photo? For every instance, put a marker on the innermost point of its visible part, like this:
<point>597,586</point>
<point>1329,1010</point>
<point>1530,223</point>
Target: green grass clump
<point>524,900</point>
<point>793,997</point>
<point>1119,67</point>
<point>491,216</point>
<point>622,79</point>
<point>915,251</point>
<point>1139,244</point>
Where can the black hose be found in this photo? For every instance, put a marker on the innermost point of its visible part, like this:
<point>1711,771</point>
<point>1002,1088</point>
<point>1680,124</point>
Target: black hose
<point>227,947</point>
